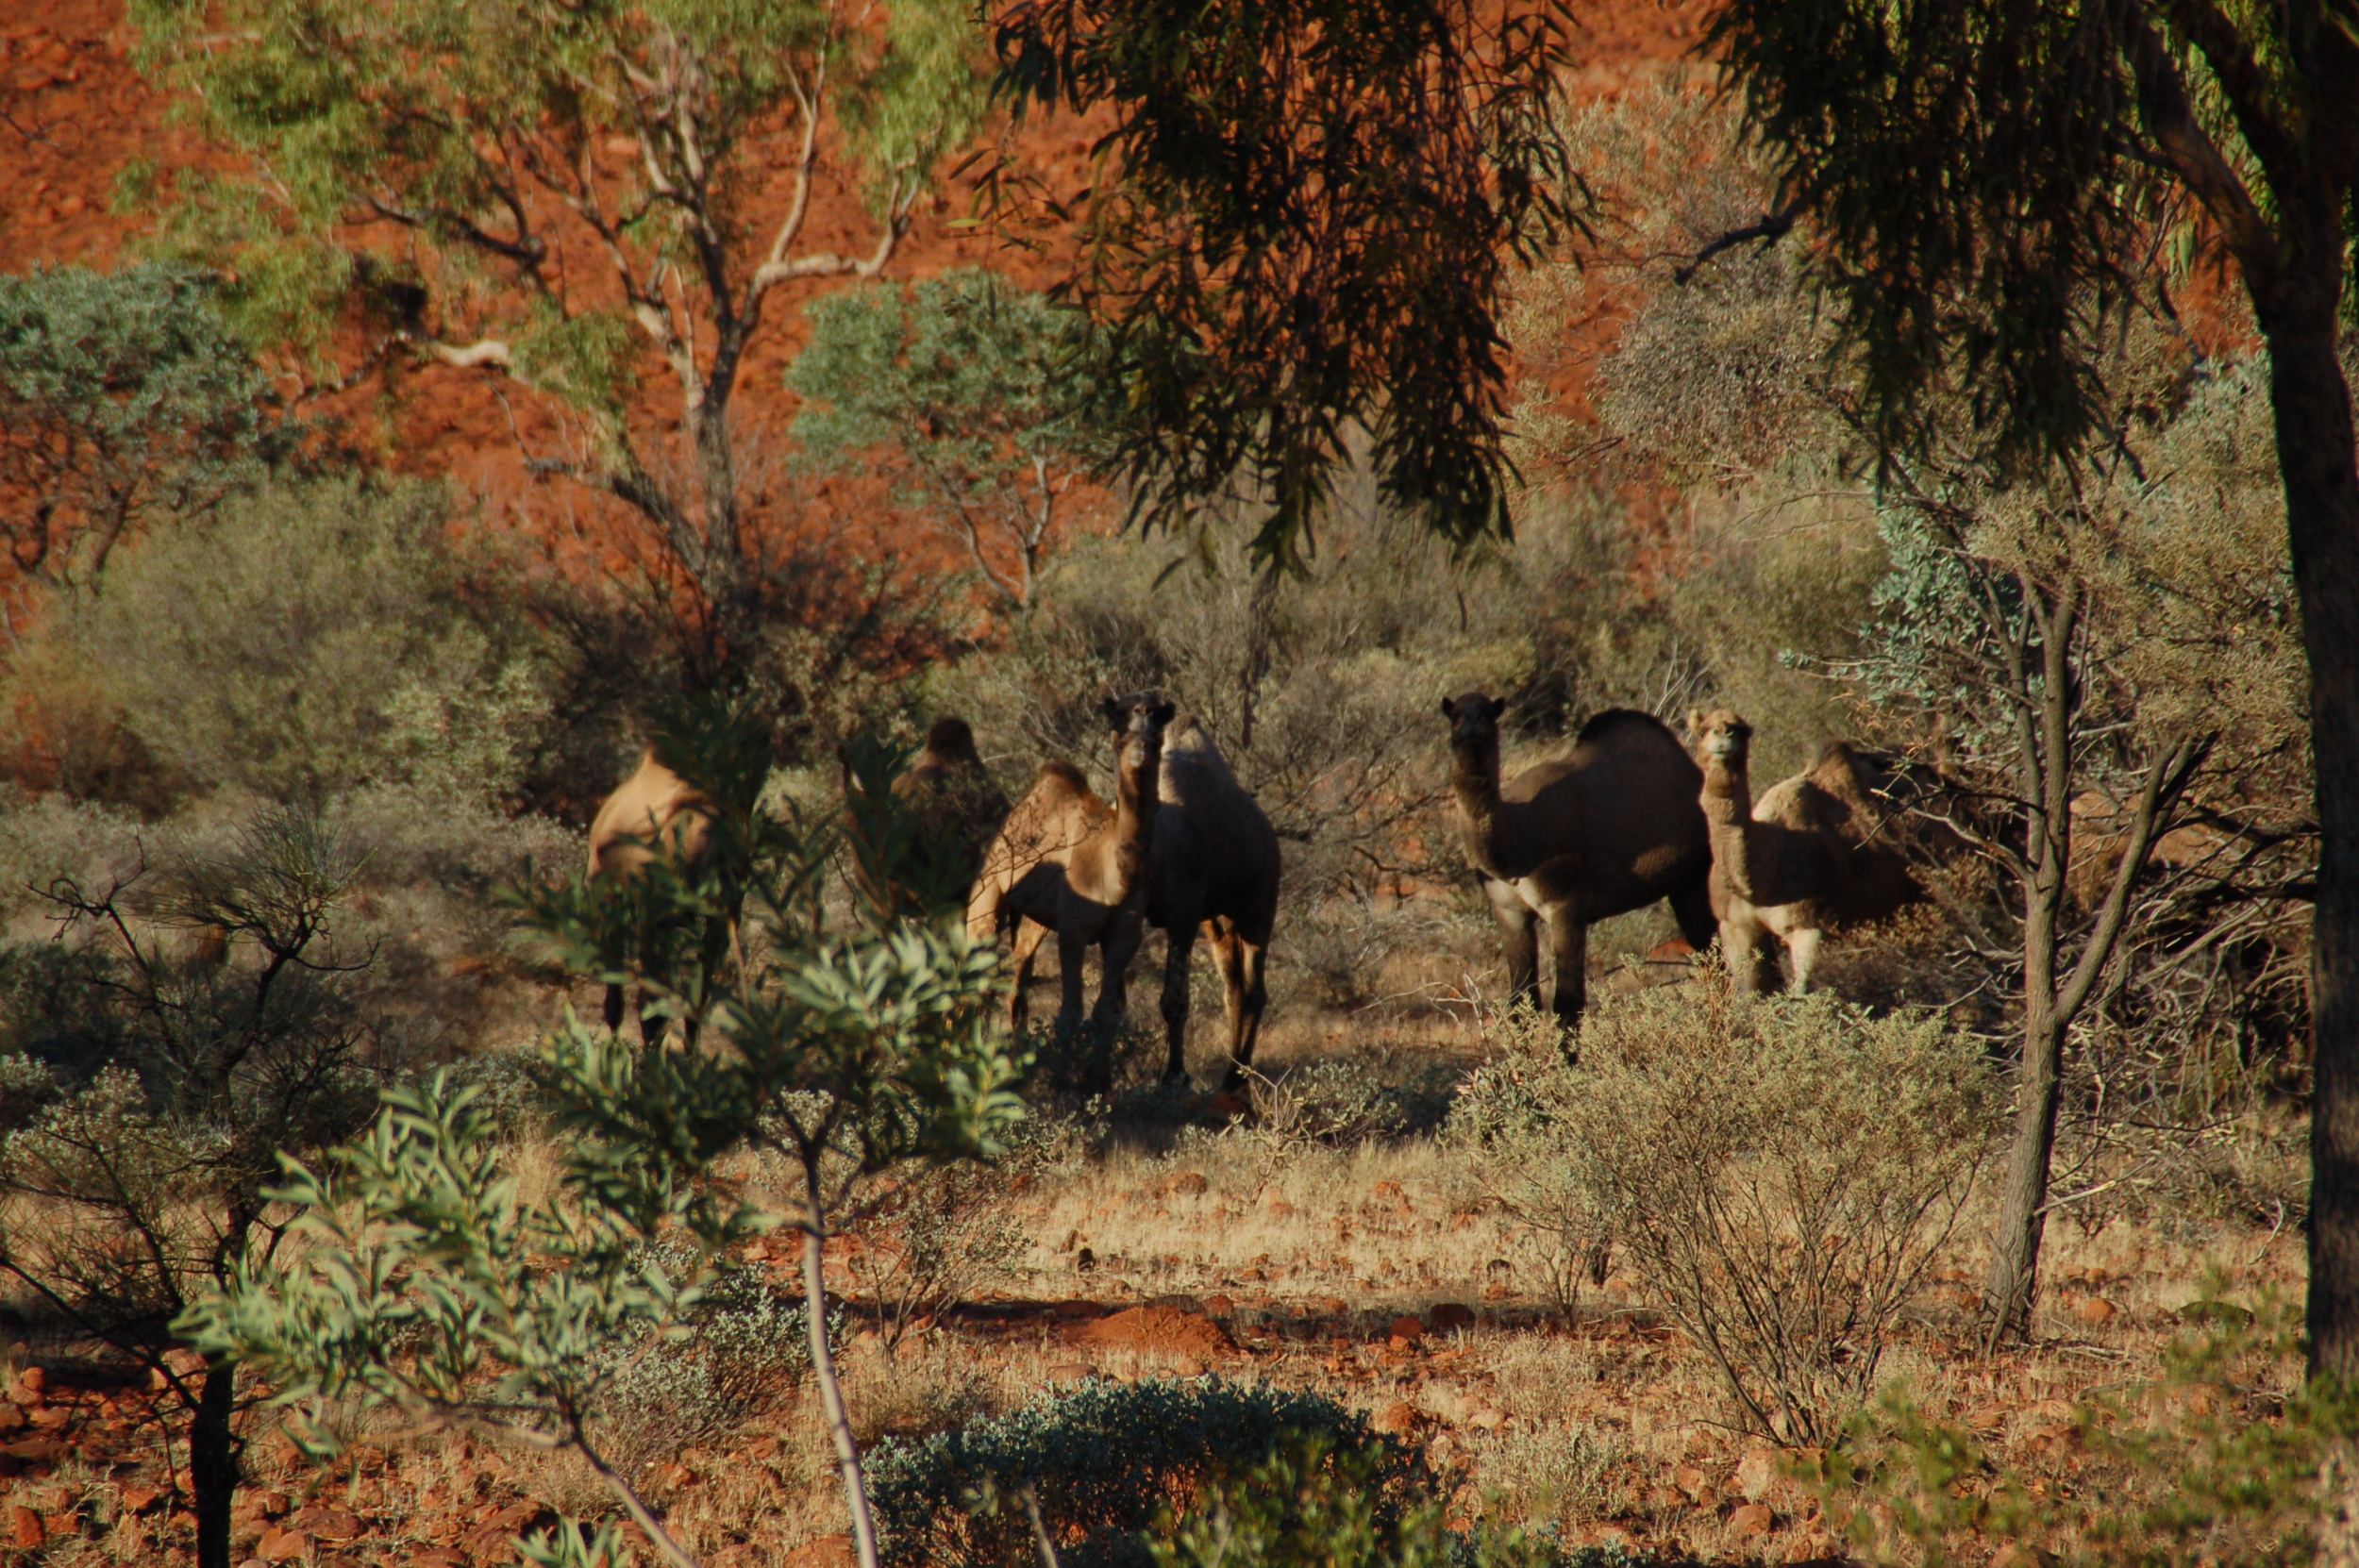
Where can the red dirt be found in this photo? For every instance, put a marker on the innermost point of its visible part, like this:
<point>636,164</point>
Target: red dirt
<point>1161,1329</point>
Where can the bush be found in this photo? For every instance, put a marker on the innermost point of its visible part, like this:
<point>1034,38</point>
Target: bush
<point>1101,1462</point>
<point>310,641</point>
<point>743,1349</point>
<point>1780,1171</point>
<point>929,1237</point>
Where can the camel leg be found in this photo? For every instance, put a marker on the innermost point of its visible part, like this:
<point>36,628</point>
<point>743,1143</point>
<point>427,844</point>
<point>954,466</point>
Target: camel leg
<point>1692,909</point>
<point>1241,973</point>
<point>1740,949</point>
<point>1568,950</point>
<point>1071,947</point>
<point>1802,951</point>
<point>1121,945</point>
<point>1518,941</point>
<point>1180,947</point>
<point>613,1009</point>
<point>1028,936</point>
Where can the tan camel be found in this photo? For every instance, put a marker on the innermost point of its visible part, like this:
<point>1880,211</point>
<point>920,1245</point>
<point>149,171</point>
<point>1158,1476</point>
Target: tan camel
<point>1819,852</point>
<point>654,813</point>
<point>1215,873</point>
<point>1574,840</point>
<point>1067,863</point>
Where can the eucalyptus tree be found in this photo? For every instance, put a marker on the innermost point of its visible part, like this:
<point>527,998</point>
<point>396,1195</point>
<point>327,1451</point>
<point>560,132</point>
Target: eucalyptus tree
<point>1986,181</point>
<point>990,396</point>
<point>563,194</point>
<point>1304,220</point>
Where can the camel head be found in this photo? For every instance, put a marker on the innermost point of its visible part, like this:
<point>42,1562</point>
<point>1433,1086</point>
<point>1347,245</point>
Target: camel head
<point>1720,735</point>
<point>952,741</point>
<point>1137,722</point>
<point>1474,720</point>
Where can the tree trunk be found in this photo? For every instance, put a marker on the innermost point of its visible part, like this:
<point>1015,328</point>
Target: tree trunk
<point>2316,452</point>
<point>2023,1206</point>
<point>831,1392</point>
<point>213,1465</point>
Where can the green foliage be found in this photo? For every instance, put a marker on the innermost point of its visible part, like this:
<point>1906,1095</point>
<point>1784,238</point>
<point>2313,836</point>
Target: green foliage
<point>1262,308</point>
<point>311,639</point>
<point>1102,1460</point>
<point>993,399</point>
<point>2227,1456</point>
<point>1310,1505</point>
<point>126,399</point>
<point>430,1286</point>
<point>1780,1173</point>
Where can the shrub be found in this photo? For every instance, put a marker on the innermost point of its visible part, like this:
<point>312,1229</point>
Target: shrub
<point>930,1236</point>
<point>1101,1462</point>
<point>311,639</point>
<point>1310,1505</point>
<point>1780,1171</point>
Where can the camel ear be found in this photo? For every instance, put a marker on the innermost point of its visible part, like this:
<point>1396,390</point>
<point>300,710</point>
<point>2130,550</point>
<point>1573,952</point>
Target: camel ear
<point>1163,712</point>
<point>1112,710</point>
<point>1695,720</point>
<point>1449,707</point>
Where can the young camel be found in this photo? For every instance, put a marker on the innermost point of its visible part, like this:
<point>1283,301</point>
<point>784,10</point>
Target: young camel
<point>1577,839</point>
<point>1216,872</point>
<point>654,813</point>
<point>1818,853</point>
<point>1067,863</point>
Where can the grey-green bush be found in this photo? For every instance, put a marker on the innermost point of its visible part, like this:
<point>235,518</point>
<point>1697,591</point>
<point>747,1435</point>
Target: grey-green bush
<point>313,639</point>
<point>1100,1461</point>
<point>1780,1173</point>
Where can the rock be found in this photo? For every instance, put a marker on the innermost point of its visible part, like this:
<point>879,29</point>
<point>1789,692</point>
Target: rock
<point>35,1450</point>
<point>1163,1328</point>
<point>1495,1292</point>
<point>50,1418</point>
<point>1281,1210</point>
<point>11,1418</point>
<point>49,1499</point>
<point>1691,1481</point>
<point>1190,1184</point>
<point>1219,1305</point>
<point>1448,1317</point>
<point>138,1499</point>
<point>1390,1191</point>
<point>1753,1519</point>
<point>1332,1306</point>
<point>1813,1546</point>
<point>34,1378</point>
<point>2095,1310</point>
<point>26,1529</point>
<point>1756,1473</point>
<point>1397,1418</point>
<point>828,1551</point>
<point>437,1558</point>
<point>1410,1329</point>
<point>1488,1419</point>
<point>286,1547</point>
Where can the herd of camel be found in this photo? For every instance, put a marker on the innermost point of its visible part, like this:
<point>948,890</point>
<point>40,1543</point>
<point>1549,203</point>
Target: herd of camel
<point>1627,816</point>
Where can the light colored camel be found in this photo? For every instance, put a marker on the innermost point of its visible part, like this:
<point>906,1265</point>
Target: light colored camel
<point>654,813</point>
<point>1819,852</point>
<point>1574,840</point>
<point>1067,862</point>
<point>1215,873</point>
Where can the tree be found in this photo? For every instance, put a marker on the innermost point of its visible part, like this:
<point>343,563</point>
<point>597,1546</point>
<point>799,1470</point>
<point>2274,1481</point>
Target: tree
<point>567,190</point>
<point>140,1139</point>
<point>1985,179</point>
<point>427,1286</point>
<point>124,398</point>
<point>990,394</point>
<point>1302,229</point>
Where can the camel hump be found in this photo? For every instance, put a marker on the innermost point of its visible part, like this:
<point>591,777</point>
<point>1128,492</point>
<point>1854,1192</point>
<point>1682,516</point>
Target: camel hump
<point>1193,765</point>
<point>645,806</point>
<point>1618,723</point>
<point>1060,774</point>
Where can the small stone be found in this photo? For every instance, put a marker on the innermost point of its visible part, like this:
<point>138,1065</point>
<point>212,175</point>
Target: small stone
<point>138,1499</point>
<point>1756,1473</point>
<point>1449,1316</point>
<point>828,1551</point>
<point>34,1378</point>
<point>1397,1418</point>
<point>1814,1546</point>
<point>50,1499</point>
<point>286,1547</point>
<point>1690,1480</point>
<point>1190,1184</point>
<point>2095,1310</point>
<point>1753,1519</point>
<point>1495,1292</point>
<point>1219,1305</point>
<point>26,1529</point>
<point>1411,1329</point>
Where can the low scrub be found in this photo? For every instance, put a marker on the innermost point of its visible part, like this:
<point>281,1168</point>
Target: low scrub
<point>1100,1463</point>
<point>1780,1173</point>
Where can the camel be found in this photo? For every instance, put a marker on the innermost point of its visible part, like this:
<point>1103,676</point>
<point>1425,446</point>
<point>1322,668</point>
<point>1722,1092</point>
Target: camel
<point>1215,873</point>
<point>952,793</point>
<point>1819,852</point>
<point>1574,840</point>
<point>654,813</point>
<point>1067,862</point>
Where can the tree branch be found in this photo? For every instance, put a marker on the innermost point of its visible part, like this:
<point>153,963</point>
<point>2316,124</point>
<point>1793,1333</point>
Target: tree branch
<point>2169,119</point>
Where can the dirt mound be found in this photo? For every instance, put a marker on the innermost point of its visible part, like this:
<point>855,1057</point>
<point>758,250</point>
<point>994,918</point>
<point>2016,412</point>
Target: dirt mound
<point>1164,1328</point>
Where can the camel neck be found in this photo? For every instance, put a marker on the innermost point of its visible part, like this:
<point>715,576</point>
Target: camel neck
<point>1475,780</point>
<point>1136,797</point>
<point>1728,805</point>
